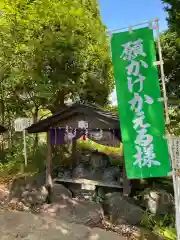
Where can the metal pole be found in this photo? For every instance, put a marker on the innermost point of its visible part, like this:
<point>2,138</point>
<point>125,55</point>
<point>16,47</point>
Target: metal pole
<point>162,71</point>
<point>25,150</point>
<point>132,26</point>
<point>174,173</point>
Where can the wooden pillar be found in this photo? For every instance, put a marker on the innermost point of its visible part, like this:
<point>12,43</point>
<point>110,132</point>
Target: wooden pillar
<point>74,153</point>
<point>126,182</point>
<point>49,181</point>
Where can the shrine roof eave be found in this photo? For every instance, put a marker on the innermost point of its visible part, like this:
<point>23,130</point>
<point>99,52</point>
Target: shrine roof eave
<point>89,110</point>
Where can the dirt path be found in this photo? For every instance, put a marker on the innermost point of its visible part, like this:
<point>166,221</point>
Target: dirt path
<point>27,226</point>
<point>66,219</point>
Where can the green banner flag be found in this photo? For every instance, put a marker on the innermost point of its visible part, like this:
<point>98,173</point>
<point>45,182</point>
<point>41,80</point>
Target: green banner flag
<point>140,110</point>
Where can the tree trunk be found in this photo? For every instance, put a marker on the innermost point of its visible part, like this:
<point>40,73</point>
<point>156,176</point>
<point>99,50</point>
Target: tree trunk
<point>2,111</point>
<point>58,104</point>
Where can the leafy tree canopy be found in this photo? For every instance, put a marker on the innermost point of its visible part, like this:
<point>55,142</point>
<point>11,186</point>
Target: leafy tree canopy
<point>171,53</point>
<point>173,9</point>
<point>171,47</point>
<point>171,56</point>
<point>52,51</point>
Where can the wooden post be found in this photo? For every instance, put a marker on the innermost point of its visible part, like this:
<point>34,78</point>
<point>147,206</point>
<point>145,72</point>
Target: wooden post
<point>74,155</point>
<point>49,181</point>
<point>126,183</point>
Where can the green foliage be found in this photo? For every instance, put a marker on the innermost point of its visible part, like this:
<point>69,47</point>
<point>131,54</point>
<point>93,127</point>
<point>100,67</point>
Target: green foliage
<point>171,47</point>
<point>167,232</point>
<point>164,227</point>
<point>62,156</point>
<point>173,9</point>
<point>14,160</point>
<point>175,121</point>
<point>171,53</point>
<point>147,220</point>
<point>52,51</point>
<point>171,56</point>
<point>112,109</point>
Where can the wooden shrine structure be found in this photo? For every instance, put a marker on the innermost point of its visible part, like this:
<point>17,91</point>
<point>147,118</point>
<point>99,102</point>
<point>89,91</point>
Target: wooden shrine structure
<point>96,118</point>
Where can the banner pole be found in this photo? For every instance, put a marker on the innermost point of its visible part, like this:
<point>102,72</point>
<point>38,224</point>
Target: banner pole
<point>174,173</point>
<point>162,71</point>
<point>132,26</point>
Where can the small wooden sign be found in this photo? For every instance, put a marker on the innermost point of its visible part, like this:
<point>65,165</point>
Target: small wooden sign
<point>175,146</point>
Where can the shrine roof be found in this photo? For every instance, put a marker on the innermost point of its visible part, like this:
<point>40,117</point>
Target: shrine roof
<point>64,114</point>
